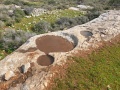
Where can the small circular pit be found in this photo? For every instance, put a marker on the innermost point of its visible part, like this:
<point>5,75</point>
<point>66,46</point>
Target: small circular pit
<point>45,60</point>
<point>86,33</point>
<point>52,43</point>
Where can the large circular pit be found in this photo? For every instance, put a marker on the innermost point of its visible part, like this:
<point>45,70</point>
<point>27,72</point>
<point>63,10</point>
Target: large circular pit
<point>52,43</point>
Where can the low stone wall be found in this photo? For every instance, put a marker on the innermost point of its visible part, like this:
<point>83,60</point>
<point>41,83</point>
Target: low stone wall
<point>103,28</point>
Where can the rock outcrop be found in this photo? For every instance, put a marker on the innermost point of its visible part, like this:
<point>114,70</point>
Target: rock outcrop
<point>38,11</point>
<point>103,28</point>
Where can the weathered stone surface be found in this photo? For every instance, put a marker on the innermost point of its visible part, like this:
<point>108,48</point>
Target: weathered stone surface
<point>25,67</point>
<point>105,27</point>
<point>9,74</point>
<point>74,8</point>
<point>38,11</point>
<point>84,7</point>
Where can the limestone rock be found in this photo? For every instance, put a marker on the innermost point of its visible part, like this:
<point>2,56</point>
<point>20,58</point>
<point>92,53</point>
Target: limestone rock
<point>9,74</point>
<point>74,8</point>
<point>84,7</point>
<point>38,11</point>
<point>25,67</point>
<point>105,27</point>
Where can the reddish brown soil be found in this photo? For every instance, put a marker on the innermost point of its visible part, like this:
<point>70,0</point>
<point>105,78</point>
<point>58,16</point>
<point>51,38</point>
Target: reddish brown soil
<point>52,43</point>
<point>45,60</point>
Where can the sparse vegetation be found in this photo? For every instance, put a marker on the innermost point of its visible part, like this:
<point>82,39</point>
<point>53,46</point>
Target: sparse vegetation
<point>28,23</point>
<point>41,27</point>
<point>18,14</point>
<point>17,2</point>
<point>12,39</point>
<point>65,22</point>
<point>115,3</point>
<point>2,24</point>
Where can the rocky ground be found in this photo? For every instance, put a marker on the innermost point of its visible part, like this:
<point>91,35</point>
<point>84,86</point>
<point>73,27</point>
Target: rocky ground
<point>22,70</point>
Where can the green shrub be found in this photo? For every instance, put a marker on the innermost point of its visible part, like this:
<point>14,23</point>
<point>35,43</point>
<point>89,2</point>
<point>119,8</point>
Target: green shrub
<point>93,14</point>
<point>114,2</point>
<point>41,27</point>
<point>8,2</point>
<point>0,34</point>
<point>53,2</point>
<point>16,2</point>
<point>4,17</point>
<point>81,19</point>
<point>65,22</point>
<point>28,10</point>
<point>11,39</point>
<point>2,24</point>
<point>19,14</point>
<point>10,22</point>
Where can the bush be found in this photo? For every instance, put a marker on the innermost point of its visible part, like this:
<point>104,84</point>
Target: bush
<point>19,14</point>
<point>81,19</point>
<point>2,24</point>
<point>4,17</point>
<point>41,27</point>
<point>65,22</point>
<point>53,2</point>
<point>16,2</point>
<point>11,39</point>
<point>0,34</point>
<point>28,10</point>
<point>10,22</point>
<point>114,2</point>
<point>93,14</point>
<point>62,7</point>
<point>8,2</point>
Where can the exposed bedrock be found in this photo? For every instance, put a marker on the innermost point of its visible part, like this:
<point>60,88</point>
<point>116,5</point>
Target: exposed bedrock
<point>35,58</point>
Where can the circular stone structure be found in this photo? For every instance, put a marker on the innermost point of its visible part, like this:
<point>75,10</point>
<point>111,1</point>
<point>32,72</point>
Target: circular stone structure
<point>45,60</point>
<point>52,43</point>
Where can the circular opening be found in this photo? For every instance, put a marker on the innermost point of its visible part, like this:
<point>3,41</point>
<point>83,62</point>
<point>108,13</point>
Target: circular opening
<point>52,43</point>
<point>45,60</point>
<point>74,38</point>
<point>86,33</point>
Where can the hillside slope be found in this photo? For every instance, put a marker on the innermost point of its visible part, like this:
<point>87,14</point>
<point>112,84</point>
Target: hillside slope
<point>35,64</point>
